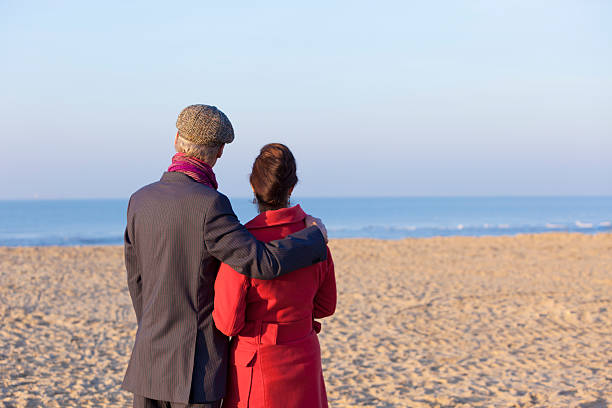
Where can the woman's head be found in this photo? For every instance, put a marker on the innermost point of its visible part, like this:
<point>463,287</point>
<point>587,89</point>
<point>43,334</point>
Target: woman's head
<point>273,176</point>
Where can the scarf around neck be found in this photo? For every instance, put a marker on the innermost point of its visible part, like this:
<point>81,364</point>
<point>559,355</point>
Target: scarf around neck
<point>194,168</point>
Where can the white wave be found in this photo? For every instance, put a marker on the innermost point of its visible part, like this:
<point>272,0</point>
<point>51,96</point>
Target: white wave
<point>605,224</point>
<point>580,224</point>
<point>554,226</point>
<point>345,228</point>
<point>460,226</point>
<point>504,226</point>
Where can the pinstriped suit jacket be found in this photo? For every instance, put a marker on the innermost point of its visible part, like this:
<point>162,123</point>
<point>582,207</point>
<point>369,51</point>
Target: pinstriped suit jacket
<point>177,232</point>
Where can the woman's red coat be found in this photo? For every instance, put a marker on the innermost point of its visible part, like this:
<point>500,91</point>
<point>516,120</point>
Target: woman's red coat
<point>275,359</point>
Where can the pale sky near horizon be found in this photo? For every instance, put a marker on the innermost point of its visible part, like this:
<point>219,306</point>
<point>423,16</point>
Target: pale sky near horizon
<point>374,98</point>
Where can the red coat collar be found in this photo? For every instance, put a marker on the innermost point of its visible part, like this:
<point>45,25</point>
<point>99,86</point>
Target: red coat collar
<point>277,217</point>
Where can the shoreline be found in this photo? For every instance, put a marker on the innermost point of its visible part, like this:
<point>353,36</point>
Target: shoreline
<point>517,235</point>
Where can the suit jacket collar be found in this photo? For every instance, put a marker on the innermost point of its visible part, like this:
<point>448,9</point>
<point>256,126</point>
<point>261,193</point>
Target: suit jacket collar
<point>174,176</point>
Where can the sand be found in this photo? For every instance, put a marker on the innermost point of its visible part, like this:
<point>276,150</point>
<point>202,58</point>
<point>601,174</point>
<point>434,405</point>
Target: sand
<point>507,321</point>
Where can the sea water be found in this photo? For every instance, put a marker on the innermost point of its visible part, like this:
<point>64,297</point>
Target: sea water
<point>102,222</point>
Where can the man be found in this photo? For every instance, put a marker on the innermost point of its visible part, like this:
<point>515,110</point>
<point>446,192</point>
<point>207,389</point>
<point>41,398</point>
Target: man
<point>178,230</point>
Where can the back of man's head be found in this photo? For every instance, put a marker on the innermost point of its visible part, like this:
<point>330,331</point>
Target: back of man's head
<point>202,130</point>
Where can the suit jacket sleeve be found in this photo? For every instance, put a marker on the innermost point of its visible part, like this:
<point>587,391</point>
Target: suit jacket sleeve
<point>133,273</point>
<point>230,242</point>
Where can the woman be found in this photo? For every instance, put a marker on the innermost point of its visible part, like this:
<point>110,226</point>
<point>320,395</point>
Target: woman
<point>275,359</point>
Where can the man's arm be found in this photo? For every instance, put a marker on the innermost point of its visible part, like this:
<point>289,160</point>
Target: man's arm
<point>230,242</point>
<point>133,274</point>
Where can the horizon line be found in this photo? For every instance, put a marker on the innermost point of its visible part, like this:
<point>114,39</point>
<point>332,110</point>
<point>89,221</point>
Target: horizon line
<point>340,197</point>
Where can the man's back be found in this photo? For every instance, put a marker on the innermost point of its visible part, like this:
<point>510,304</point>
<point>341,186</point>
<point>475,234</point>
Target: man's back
<point>170,269</point>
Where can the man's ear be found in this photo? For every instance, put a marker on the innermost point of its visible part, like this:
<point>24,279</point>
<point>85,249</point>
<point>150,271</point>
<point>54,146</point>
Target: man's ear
<point>220,153</point>
<point>175,138</point>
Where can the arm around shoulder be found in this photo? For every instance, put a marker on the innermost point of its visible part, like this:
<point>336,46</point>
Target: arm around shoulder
<point>229,241</point>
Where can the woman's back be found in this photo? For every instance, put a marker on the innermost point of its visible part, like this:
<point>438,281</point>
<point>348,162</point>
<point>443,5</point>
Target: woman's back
<point>290,297</point>
<point>303,294</point>
<point>276,347</point>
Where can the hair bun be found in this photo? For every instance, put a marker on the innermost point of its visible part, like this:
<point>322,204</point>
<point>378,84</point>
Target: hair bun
<point>273,176</point>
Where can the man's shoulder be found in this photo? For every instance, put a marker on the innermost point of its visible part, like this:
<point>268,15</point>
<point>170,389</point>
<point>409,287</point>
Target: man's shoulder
<point>167,196</point>
<point>177,185</point>
<point>177,189</point>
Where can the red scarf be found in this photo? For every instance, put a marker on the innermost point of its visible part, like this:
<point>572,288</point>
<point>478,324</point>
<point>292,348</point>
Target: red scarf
<point>194,168</point>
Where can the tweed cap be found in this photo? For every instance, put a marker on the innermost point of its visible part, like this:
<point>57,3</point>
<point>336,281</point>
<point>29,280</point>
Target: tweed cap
<point>204,125</point>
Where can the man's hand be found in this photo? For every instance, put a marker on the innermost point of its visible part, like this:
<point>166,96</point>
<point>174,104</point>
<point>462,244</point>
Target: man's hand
<point>310,221</point>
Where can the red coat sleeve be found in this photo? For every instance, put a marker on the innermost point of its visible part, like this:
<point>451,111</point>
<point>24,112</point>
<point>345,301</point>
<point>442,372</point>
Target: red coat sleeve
<point>325,299</point>
<point>230,300</point>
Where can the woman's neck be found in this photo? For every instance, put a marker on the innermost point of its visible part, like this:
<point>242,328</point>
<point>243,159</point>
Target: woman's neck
<point>262,207</point>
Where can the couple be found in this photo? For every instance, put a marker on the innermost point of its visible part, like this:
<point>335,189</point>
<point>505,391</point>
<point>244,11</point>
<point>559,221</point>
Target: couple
<point>196,275</point>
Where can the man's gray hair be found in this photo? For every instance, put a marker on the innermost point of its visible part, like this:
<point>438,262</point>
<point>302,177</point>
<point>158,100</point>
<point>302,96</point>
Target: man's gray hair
<point>207,153</point>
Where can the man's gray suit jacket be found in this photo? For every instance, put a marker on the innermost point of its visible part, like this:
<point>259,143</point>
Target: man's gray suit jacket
<point>177,232</point>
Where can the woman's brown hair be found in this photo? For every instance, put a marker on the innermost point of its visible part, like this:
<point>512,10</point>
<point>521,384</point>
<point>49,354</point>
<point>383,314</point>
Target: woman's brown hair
<point>273,176</point>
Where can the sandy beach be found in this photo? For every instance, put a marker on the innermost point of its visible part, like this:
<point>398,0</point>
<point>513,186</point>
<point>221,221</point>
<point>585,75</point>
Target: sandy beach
<point>521,321</point>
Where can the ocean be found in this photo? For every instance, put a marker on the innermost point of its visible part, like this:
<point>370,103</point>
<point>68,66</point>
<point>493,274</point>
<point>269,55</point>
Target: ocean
<point>102,222</point>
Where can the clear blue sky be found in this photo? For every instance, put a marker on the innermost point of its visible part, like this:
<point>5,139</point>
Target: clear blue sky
<point>374,98</point>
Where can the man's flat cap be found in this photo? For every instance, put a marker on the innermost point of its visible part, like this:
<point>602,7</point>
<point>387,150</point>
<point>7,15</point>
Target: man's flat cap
<point>204,125</point>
